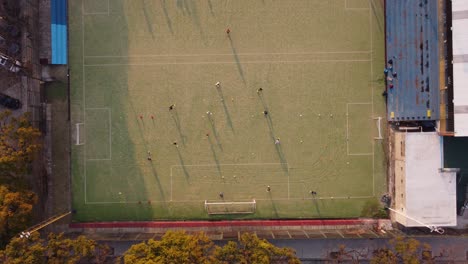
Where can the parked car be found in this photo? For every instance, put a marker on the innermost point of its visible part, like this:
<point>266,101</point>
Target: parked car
<point>12,30</point>
<point>9,102</point>
<point>10,64</point>
<point>12,48</point>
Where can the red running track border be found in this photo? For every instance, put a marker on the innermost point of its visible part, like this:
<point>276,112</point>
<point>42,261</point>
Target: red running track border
<point>188,224</point>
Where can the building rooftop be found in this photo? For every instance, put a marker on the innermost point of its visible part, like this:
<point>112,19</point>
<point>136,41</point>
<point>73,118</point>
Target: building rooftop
<point>412,44</point>
<point>429,194</point>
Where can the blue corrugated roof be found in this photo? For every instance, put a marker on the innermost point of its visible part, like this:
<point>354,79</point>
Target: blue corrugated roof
<point>58,30</point>
<point>412,44</point>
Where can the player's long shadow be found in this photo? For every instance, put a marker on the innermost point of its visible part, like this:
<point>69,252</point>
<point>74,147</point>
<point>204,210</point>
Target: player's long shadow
<point>317,206</point>
<point>189,7</point>
<point>161,191</point>
<point>279,150</point>
<point>210,5</point>
<point>182,163</point>
<point>166,15</point>
<point>215,156</point>
<point>148,22</point>
<point>155,174</point>
<point>175,117</point>
<point>228,115</point>
<point>375,12</point>
<point>236,58</point>
<point>215,132</point>
<point>273,205</point>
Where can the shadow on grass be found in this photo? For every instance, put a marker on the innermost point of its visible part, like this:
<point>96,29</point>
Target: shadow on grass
<point>279,150</point>
<point>226,110</point>
<point>273,205</point>
<point>376,5</point>
<point>182,163</point>
<point>215,132</point>
<point>156,176</point>
<point>141,123</point>
<point>210,5</point>
<point>215,156</point>
<point>317,206</point>
<point>236,58</point>
<point>147,19</point>
<point>166,15</point>
<point>189,7</point>
<point>175,117</point>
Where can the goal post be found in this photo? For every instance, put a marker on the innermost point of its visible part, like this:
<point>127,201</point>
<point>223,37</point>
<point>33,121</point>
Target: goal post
<point>379,119</point>
<point>79,134</point>
<point>220,208</point>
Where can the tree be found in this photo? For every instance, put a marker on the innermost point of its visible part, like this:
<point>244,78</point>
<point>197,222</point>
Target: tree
<point>19,141</point>
<point>403,250</point>
<point>255,250</point>
<point>229,253</point>
<point>174,247</point>
<point>24,251</point>
<point>15,211</point>
<point>56,249</point>
<point>65,250</point>
<point>179,247</point>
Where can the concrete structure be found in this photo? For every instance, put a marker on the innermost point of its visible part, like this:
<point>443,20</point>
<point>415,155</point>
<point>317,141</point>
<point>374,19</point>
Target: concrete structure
<point>460,66</point>
<point>425,195</point>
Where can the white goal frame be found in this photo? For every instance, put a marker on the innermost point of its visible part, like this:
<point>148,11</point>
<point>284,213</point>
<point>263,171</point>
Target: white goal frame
<point>224,208</point>
<point>77,133</point>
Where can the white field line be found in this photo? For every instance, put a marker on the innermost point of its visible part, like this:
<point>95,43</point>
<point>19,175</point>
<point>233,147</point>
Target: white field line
<point>83,13</point>
<point>84,92</point>
<point>252,62</point>
<point>228,54</point>
<point>372,90</point>
<point>347,132</point>
<point>279,199</point>
<point>97,13</point>
<point>228,164</point>
<point>355,8</point>
<point>108,109</point>
<point>225,164</point>
<point>220,62</point>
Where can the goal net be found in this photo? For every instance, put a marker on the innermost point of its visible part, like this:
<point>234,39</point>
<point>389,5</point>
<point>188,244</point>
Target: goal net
<point>217,208</point>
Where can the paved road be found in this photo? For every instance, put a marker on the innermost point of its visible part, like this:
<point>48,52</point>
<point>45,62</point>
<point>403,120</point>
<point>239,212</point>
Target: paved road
<point>320,248</point>
<point>313,249</point>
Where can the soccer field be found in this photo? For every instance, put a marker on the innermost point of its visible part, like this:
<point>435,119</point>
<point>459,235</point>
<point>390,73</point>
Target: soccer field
<point>319,64</point>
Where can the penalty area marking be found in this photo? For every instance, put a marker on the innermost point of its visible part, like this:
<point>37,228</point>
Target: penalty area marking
<point>110,150</point>
<point>355,8</point>
<point>228,164</point>
<point>222,62</point>
<point>107,12</point>
<point>110,130</point>
<point>347,132</point>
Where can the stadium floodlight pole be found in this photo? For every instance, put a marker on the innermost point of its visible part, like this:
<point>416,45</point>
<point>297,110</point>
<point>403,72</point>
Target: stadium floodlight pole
<point>436,229</point>
<point>27,233</point>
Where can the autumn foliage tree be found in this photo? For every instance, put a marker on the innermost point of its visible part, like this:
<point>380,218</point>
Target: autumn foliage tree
<point>179,247</point>
<point>403,250</point>
<point>174,247</point>
<point>252,249</point>
<point>19,141</point>
<point>56,249</point>
<point>15,211</point>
